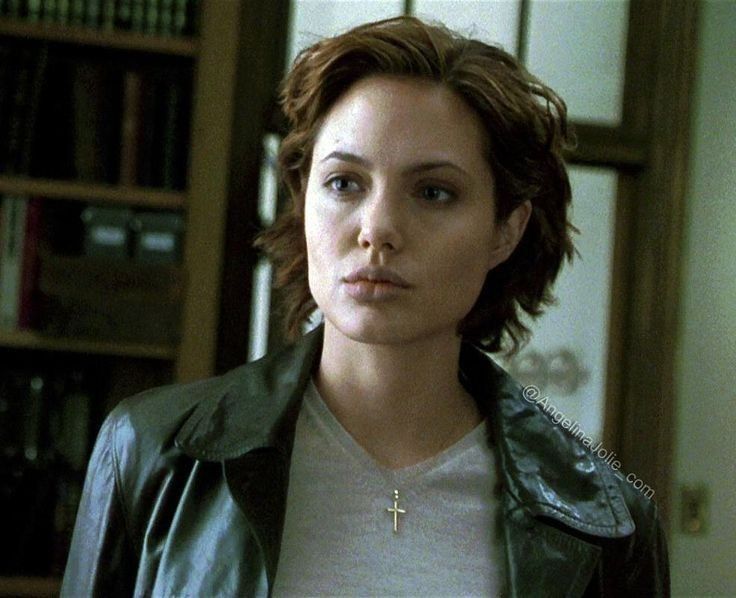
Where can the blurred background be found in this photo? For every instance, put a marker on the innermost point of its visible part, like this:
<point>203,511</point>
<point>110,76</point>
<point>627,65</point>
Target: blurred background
<point>137,149</point>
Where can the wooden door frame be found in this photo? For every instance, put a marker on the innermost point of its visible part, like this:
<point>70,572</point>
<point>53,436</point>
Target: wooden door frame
<point>260,68</point>
<point>208,186</point>
<point>240,63</point>
<point>667,32</point>
<point>650,151</point>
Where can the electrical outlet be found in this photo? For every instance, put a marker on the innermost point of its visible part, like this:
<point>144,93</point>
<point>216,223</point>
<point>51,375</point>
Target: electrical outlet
<point>693,509</point>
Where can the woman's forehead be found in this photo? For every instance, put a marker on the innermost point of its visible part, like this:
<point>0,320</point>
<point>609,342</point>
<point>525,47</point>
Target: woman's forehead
<point>401,119</point>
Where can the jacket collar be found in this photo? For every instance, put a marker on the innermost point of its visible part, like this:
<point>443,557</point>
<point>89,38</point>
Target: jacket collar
<point>546,474</point>
<point>255,406</point>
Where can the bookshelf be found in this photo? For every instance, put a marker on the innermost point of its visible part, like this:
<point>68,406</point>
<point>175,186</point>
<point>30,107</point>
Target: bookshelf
<point>229,68</point>
<point>93,192</point>
<point>27,339</point>
<point>119,40</point>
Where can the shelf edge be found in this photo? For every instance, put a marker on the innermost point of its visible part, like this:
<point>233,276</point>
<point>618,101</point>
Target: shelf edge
<point>24,339</point>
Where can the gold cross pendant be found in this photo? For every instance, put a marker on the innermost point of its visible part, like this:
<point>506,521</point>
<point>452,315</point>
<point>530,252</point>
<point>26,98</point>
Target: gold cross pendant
<point>396,511</point>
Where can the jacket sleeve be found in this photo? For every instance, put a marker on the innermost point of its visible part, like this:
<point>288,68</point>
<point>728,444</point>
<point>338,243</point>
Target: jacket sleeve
<point>101,560</point>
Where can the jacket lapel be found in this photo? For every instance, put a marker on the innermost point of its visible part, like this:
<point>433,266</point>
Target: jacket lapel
<point>258,482</point>
<point>250,429</point>
<point>544,561</point>
<point>545,471</point>
<point>554,492</point>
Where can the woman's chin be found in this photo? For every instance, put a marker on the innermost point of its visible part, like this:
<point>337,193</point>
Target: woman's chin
<point>382,331</point>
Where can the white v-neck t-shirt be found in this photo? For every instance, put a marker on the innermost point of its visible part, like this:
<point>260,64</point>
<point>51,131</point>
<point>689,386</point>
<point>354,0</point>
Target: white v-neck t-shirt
<point>339,537</point>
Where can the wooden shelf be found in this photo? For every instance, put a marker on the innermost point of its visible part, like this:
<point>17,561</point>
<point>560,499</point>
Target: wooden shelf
<point>30,586</point>
<point>26,339</point>
<point>93,192</point>
<point>121,40</point>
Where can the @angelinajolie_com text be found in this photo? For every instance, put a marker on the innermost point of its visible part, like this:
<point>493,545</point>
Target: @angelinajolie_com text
<point>532,394</point>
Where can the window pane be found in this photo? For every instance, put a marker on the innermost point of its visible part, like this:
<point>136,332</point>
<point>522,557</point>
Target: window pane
<point>311,20</point>
<point>579,49</point>
<point>566,358</point>
<point>492,21</point>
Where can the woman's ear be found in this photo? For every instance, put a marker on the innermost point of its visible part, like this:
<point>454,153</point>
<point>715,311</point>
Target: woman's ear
<point>509,232</point>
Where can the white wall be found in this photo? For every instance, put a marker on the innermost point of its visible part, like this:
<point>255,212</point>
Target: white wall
<point>705,447</point>
<point>311,20</point>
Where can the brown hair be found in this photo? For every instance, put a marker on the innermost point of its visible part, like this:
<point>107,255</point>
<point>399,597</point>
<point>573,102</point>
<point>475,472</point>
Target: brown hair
<point>526,130</point>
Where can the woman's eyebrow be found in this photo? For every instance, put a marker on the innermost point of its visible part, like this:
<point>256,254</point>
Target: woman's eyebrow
<point>347,157</point>
<point>421,167</point>
<point>424,166</point>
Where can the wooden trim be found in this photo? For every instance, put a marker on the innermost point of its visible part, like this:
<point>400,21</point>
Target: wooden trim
<point>620,283</point>
<point>212,133</point>
<point>93,192</point>
<point>27,339</point>
<point>30,586</point>
<point>119,40</point>
<point>636,111</point>
<point>599,145</point>
<point>667,32</point>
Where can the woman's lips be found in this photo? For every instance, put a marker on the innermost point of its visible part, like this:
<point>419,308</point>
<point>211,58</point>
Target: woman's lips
<point>374,283</point>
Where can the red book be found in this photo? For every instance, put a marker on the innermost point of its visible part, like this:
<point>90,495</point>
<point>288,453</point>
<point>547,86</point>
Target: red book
<point>29,276</point>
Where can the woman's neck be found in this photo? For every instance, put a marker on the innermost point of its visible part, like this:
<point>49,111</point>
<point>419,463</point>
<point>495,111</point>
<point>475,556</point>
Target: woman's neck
<point>402,403</point>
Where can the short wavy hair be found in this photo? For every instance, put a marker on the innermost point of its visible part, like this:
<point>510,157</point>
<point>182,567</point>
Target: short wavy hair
<point>526,132</point>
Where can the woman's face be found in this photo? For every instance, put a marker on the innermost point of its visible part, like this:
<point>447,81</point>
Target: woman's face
<point>399,212</point>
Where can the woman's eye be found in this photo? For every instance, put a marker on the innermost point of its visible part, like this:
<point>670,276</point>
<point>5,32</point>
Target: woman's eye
<point>434,194</point>
<point>343,184</point>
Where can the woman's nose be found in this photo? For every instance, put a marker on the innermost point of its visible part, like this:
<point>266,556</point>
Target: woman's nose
<point>380,227</point>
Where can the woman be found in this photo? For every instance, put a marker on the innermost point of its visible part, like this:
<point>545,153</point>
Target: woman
<point>384,453</point>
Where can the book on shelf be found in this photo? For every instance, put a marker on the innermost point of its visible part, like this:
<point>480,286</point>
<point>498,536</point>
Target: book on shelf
<point>130,135</point>
<point>78,122</point>
<point>20,232</point>
<point>96,109</point>
<point>12,239</point>
<point>76,12</point>
<point>38,68</point>
<point>124,15</point>
<point>151,17</point>
<point>137,14</point>
<point>155,17</point>
<point>70,438</point>
<point>6,70</point>
<point>22,75</point>
<point>18,90</point>
<point>165,24</point>
<point>26,483</point>
<point>46,426</point>
<point>175,134</point>
<point>27,308</point>
<point>150,131</point>
<point>163,151</point>
<point>55,11</point>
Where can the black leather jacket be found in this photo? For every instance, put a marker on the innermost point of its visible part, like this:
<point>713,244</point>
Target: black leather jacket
<point>186,492</point>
